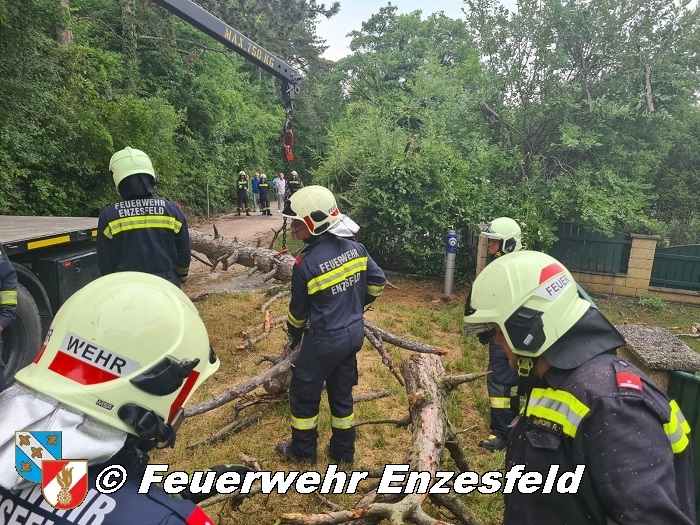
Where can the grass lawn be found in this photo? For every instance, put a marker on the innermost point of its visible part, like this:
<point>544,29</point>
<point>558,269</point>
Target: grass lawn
<point>415,309</point>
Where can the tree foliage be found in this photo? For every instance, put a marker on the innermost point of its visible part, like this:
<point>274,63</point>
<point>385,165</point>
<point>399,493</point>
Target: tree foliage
<point>135,75</point>
<point>561,110</point>
<point>585,100</point>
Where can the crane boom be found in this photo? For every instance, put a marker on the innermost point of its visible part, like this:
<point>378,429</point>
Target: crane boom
<point>237,42</point>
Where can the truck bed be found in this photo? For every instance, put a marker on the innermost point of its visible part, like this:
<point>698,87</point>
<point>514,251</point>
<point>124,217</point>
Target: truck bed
<point>20,234</point>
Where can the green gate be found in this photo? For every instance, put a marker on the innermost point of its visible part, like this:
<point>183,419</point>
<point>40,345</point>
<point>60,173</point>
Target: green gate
<point>580,249</point>
<point>677,267</point>
<point>685,389</point>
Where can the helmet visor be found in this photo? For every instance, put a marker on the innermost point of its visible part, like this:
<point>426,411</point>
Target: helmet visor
<point>287,211</point>
<point>478,328</point>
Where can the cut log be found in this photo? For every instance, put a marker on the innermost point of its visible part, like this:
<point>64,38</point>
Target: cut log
<point>267,262</point>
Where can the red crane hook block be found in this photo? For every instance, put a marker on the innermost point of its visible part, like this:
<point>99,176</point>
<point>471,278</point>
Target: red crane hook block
<point>287,143</point>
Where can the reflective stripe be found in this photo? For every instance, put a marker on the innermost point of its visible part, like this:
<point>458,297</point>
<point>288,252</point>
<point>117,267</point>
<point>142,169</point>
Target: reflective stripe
<point>375,290</point>
<point>140,222</point>
<point>296,323</point>
<point>677,429</point>
<point>499,402</point>
<point>183,272</point>
<point>558,406</point>
<point>343,422</point>
<point>308,423</point>
<point>8,297</point>
<point>339,274</point>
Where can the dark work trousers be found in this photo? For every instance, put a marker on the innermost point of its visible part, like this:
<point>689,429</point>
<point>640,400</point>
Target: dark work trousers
<point>502,384</point>
<point>242,200</point>
<point>329,357</point>
<point>264,201</point>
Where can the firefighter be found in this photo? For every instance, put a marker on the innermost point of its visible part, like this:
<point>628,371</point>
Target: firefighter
<point>8,300</point>
<point>504,236</point>
<point>293,184</point>
<point>123,354</point>
<point>242,188</point>
<point>333,279</point>
<point>264,188</point>
<point>143,232</point>
<point>585,407</point>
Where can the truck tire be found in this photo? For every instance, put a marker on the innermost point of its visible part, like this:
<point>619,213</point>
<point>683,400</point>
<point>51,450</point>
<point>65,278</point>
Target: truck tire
<point>21,340</point>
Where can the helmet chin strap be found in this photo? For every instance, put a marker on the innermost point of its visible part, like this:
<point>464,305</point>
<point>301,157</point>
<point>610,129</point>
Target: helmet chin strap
<point>525,378</point>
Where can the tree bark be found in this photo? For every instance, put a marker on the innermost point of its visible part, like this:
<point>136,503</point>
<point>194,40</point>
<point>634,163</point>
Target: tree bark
<point>65,35</point>
<point>268,262</point>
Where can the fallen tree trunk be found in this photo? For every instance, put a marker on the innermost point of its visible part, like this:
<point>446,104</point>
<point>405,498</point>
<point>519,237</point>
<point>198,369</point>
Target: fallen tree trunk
<point>270,263</point>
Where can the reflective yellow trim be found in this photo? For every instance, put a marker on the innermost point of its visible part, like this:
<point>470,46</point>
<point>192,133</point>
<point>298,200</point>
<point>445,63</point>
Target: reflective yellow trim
<point>8,297</point>
<point>558,406</point>
<point>182,272</point>
<point>499,402</point>
<point>142,221</point>
<point>94,233</point>
<point>296,323</point>
<point>48,242</point>
<point>677,429</point>
<point>375,290</point>
<point>337,275</point>
<point>343,422</point>
<point>308,423</point>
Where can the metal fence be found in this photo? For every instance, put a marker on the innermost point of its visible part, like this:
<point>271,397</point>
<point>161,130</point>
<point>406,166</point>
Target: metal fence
<point>580,249</point>
<point>677,267</point>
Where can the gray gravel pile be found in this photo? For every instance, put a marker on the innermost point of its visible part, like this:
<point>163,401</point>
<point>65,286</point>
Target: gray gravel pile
<point>659,349</point>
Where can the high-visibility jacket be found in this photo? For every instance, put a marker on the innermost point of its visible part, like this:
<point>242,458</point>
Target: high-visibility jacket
<point>631,437</point>
<point>144,235</point>
<point>293,185</point>
<point>332,280</point>
<point>8,290</point>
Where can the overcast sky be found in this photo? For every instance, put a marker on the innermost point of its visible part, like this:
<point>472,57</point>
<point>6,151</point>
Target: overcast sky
<point>354,12</point>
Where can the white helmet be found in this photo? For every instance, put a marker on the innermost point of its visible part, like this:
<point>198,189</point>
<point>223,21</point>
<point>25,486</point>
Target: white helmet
<point>130,161</point>
<point>530,296</point>
<point>507,231</point>
<point>316,206</point>
<point>294,173</point>
<point>128,349</point>
<point>241,173</point>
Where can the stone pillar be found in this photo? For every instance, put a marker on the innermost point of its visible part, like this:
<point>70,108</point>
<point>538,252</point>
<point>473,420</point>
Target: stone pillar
<point>641,262</point>
<point>481,254</point>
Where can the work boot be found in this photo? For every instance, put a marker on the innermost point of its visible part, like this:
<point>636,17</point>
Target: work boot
<point>337,460</point>
<point>284,449</point>
<point>238,214</point>
<point>247,213</point>
<point>493,443</point>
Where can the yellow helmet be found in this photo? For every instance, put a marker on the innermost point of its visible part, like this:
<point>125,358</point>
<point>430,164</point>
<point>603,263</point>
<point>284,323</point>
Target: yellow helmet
<point>530,296</point>
<point>128,349</point>
<point>129,161</point>
<point>316,206</point>
<point>507,231</point>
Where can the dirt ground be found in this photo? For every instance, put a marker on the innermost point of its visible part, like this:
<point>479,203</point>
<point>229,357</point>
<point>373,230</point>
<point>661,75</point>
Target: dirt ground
<point>252,230</point>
